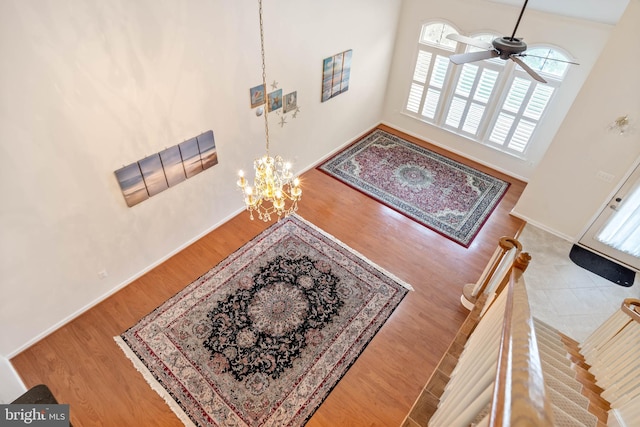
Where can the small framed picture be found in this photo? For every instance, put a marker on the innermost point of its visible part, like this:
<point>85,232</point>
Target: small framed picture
<point>290,102</point>
<point>274,100</point>
<point>257,96</point>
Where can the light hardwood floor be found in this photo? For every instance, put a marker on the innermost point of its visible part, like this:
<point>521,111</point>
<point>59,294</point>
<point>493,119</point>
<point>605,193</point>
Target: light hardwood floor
<point>85,368</point>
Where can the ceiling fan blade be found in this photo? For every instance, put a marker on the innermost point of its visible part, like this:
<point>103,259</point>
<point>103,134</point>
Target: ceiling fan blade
<point>549,59</point>
<point>528,69</point>
<point>470,41</point>
<point>463,58</point>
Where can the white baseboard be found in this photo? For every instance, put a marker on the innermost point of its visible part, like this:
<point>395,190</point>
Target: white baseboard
<point>543,227</point>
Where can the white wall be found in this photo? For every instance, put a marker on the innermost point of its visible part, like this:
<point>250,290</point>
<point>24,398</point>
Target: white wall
<point>583,40</point>
<point>564,194</point>
<point>88,86</point>
<point>11,386</point>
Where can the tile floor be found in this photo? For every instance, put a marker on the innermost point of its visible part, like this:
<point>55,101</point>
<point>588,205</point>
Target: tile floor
<point>567,297</point>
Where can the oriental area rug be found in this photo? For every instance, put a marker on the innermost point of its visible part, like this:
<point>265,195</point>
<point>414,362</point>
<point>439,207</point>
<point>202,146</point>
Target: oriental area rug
<point>263,337</point>
<point>449,197</point>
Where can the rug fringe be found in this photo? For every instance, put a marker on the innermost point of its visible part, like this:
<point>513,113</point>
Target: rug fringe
<point>356,253</point>
<point>153,383</point>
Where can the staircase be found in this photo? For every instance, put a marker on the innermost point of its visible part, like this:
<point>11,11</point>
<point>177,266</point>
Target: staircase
<point>574,397</point>
<point>507,368</point>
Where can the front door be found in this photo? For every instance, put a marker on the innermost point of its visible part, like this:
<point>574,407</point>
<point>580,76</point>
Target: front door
<point>616,231</point>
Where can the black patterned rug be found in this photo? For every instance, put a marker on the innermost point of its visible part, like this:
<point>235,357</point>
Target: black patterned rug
<point>263,337</point>
<point>447,196</point>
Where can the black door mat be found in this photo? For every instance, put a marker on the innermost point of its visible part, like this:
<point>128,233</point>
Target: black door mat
<point>603,267</point>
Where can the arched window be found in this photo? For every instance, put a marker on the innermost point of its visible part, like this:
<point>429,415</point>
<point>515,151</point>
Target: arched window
<point>436,34</point>
<point>494,101</point>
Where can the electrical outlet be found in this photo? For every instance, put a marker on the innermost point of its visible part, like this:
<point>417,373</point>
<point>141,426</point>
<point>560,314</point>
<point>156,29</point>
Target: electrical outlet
<point>102,274</point>
<point>604,176</point>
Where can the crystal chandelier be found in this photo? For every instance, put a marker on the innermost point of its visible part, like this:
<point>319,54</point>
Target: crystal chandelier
<point>274,191</point>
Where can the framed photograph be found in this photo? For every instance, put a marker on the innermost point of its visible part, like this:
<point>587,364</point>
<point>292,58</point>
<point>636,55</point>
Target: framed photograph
<point>336,71</point>
<point>207,147</point>
<point>132,185</point>
<point>274,100</point>
<point>172,162</point>
<point>153,174</point>
<point>290,102</point>
<point>191,157</point>
<point>256,94</point>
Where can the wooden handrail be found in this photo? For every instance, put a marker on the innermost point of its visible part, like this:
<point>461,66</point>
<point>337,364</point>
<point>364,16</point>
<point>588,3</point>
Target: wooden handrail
<point>631,307</point>
<point>471,291</point>
<point>506,244</point>
<point>519,397</point>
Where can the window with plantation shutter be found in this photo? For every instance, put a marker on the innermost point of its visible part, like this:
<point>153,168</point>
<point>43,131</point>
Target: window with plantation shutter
<point>470,98</point>
<point>493,102</point>
<point>519,114</point>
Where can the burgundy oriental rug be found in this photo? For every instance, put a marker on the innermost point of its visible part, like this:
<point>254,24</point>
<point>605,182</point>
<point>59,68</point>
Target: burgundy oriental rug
<point>263,337</point>
<point>451,198</point>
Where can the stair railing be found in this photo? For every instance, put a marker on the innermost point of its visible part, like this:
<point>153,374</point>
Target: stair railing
<point>495,274</point>
<point>469,389</point>
<point>519,396</point>
<point>491,374</point>
<point>498,378</point>
<point>612,352</point>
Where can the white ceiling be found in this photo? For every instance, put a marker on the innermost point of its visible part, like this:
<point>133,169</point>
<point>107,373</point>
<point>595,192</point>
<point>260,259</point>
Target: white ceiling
<point>605,11</point>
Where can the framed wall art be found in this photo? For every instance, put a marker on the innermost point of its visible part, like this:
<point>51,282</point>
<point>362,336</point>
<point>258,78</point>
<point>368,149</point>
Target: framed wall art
<point>336,71</point>
<point>274,100</point>
<point>256,94</point>
<point>157,172</point>
<point>290,102</point>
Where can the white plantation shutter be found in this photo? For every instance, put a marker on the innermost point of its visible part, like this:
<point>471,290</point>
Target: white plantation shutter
<point>428,80</point>
<point>419,79</point>
<point>502,128</point>
<point>520,113</point>
<point>436,82</point>
<point>521,136</point>
<point>538,102</point>
<point>471,96</point>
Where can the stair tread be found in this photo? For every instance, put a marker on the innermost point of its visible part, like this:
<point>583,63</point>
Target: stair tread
<point>571,382</point>
<point>577,397</point>
<point>559,365</point>
<point>571,408</point>
<point>562,419</point>
<point>562,357</point>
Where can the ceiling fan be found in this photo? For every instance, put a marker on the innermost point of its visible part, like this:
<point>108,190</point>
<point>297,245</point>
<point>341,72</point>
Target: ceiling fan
<point>503,47</point>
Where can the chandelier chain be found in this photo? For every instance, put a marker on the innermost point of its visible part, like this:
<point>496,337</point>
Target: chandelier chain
<point>264,77</point>
<point>275,190</point>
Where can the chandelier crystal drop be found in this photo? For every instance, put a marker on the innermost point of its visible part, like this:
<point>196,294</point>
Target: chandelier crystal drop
<point>275,191</point>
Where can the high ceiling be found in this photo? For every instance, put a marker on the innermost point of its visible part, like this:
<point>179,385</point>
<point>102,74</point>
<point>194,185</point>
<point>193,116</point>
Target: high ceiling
<point>604,11</point>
